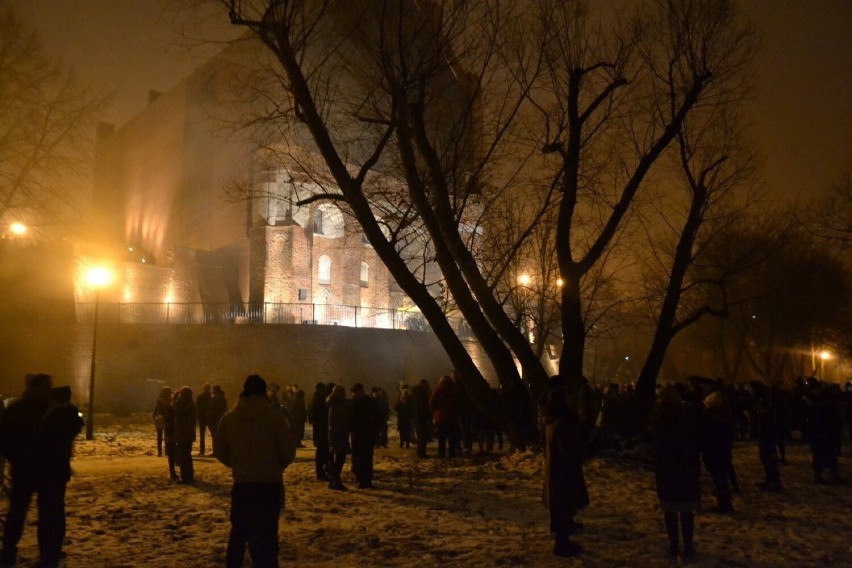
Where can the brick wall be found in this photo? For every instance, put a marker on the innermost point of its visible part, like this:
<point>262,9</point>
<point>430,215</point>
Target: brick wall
<point>134,360</point>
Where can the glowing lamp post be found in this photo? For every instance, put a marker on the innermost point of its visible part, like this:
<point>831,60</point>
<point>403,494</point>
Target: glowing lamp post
<point>823,357</point>
<point>97,278</point>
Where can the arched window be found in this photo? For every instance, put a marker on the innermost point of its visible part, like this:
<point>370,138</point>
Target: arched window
<point>365,275</point>
<point>324,276</point>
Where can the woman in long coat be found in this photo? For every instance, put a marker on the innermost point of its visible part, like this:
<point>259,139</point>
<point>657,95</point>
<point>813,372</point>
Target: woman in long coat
<point>565,490</point>
<point>677,467</point>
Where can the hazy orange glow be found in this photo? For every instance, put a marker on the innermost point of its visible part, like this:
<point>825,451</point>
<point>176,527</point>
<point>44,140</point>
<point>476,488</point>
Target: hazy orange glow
<point>99,277</point>
<point>18,228</point>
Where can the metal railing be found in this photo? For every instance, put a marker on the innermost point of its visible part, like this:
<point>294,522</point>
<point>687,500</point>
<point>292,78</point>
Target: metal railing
<point>200,313</point>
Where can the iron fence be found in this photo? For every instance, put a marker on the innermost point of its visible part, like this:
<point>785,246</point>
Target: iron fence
<point>200,313</point>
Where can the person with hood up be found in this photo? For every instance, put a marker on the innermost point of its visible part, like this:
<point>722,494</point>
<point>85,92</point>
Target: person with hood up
<point>254,440</point>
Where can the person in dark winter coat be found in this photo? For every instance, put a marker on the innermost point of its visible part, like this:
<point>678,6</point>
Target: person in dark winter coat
<point>170,447</point>
<point>565,490</point>
<point>62,424</point>
<point>339,424</point>
<point>367,419</point>
<point>404,411</point>
<point>421,415</point>
<point>298,417</point>
<point>380,398</point>
<point>217,409</point>
<point>202,406</point>
<point>444,404</point>
<point>766,431</point>
<point>254,440</point>
<point>161,408</point>
<point>186,416</point>
<point>826,431</point>
<point>318,416</point>
<point>717,440</point>
<point>677,468</point>
<point>23,443</point>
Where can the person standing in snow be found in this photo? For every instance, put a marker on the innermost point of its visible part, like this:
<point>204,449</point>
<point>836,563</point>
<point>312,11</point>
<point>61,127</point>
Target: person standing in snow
<point>717,440</point>
<point>565,490</point>
<point>23,443</point>
<point>202,406</point>
<point>254,440</point>
<point>62,424</point>
<point>339,424</point>
<point>677,469</point>
<point>186,416</point>
<point>403,418</point>
<point>421,415</point>
<point>367,420</point>
<point>318,417</point>
<point>218,408</point>
<point>161,408</point>
<point>298,416</point>
<point>444,405</point>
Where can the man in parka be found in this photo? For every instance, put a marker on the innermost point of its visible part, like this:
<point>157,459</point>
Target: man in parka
<point>254,440</point>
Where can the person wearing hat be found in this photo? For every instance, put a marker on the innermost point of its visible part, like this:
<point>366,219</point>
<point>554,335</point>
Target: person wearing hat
<point>254,440</point>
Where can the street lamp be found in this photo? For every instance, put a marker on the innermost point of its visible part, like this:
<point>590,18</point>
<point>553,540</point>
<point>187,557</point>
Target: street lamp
<point>823,357</point>
<point>524,280</point>
<point>97,278</point>
<point>18,229</point>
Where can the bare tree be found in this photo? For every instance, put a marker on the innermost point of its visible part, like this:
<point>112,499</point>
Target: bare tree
<point>391,96</point>
<point>46,134</point>
<point>612,99</point>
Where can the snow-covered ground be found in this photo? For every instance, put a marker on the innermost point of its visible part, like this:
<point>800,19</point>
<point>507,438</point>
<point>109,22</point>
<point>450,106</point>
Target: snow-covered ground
<point>124,512</point>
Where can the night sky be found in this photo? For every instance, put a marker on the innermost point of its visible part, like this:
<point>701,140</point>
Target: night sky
<point>801,110</point>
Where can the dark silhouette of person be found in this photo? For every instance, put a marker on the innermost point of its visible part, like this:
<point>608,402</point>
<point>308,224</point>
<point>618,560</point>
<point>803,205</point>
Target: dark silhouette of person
<point>202,406</point>
<point>565,490</point>
<point>421,415</point>
<point>339,425</point>
<point>169,445</point>
<point>677,468</point>
<point>766,430</point>
<point>62,424</point>
<point>298,416</point>
<point>186,416</point>
<point>717,441</point>
<point>24,443</point>
<point>318,417</point>
<point>444,404</point>
<point>403,409</point>
<point>217,409</point>
<point>367,419</point>
<point>254,440</point>
<point>161,408</point>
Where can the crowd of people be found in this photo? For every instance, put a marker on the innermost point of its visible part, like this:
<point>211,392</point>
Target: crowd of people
<point>694,423</point>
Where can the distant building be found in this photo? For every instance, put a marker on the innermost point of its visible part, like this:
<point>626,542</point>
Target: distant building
<point>160,198</point>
